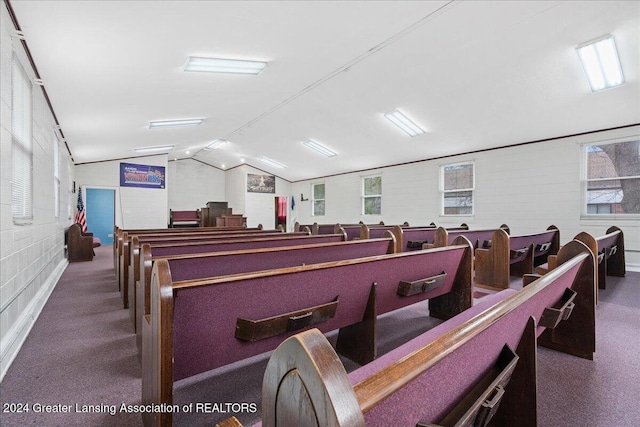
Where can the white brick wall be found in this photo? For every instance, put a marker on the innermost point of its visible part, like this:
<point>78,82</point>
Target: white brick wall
<point>31,255</point>
<point>528,187</point>
<point>135,207</point>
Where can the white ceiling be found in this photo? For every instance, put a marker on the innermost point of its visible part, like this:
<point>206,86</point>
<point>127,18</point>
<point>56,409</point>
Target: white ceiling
<point>474,74</point>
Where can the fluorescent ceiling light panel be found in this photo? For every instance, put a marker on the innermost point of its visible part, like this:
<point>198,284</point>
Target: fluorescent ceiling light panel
<point>601,63</point>
<point>404,123</point>
<point>272,163</point>
<point>174,123</point>
<point>156,148</point>
<point>319,148</point>
<point>219,65</point>
<point>216,144</point>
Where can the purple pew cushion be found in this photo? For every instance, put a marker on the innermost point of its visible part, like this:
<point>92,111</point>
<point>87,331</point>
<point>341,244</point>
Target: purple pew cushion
<point>420,341</point>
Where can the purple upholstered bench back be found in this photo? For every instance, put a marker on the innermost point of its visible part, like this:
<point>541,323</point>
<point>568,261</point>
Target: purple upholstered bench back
<point>224,263</point>
<point>376,232</point>
<point>212,236</point>
<point>353,231</point>
<point>478,238</point>
<point>326,228</point>
<point>607,241</point>
<point>205,316</point>
<point>417,236</point>
<point>241,244</point>
<point>185,215</point>
<point>432,394</point>
<point>524,241</point>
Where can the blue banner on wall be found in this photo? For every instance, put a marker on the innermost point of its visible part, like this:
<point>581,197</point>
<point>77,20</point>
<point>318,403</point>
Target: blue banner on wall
<point>144,176</point>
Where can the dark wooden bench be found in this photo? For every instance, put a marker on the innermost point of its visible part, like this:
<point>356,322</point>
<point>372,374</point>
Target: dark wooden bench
<point>249,314</point>
<point>80,245</point>
<point>141,255</point>
<point>118,233</point>
<point>609,251</point>
<point>207,265</point>
<point>353,230</point>
<point>480,238</point>
<point>513,255</point>
<point>418,238</point>
<point>474,369</point>
<point>184,218</point>
<point>125,254</point>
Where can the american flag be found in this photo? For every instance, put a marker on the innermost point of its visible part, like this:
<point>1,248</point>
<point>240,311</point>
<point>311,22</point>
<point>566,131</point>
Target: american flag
<point>80,216</point>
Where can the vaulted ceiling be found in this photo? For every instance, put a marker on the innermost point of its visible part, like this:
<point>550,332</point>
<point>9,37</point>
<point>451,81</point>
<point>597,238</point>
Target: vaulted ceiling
<point>473,74</point>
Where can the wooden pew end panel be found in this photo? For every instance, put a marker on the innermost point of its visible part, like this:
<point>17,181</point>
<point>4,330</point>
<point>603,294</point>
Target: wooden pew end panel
<point>306,384</point>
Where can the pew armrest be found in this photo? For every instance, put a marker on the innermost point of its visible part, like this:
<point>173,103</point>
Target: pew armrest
<point>255,330</point>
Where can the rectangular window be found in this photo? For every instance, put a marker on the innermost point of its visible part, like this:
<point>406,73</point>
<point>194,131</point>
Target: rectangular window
<point>318,202</point>
<point>613,178</point>
<point>56,176</point>
<point>457,183</point>
<point>21,144</point>
<point>372,195</point>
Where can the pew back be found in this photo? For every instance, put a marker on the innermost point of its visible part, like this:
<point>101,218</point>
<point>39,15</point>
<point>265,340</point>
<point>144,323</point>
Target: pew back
<point>247,314</point>
<point>405,386</point>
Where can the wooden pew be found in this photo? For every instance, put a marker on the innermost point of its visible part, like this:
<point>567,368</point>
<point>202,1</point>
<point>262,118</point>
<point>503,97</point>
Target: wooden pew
<point>513,255</point>
<point>184,218</point>
<point>193,318</point>
<point>476,368</point>
<point>142,259</point>
<point>415,238</point>
<point>210,264</point>
<point>80,245</point>
<point>609,250</point>
<point>353,230</point>
<point>124,255</point>
<point>479,238</point>
<point>118,233</point>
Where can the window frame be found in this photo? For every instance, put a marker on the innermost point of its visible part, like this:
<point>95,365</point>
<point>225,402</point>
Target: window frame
<point>443,192</point>
<point>21,143</point>
<point>584,167</point>
<point>56,176</point>
<point>314,199</point>
<point>364,197</point>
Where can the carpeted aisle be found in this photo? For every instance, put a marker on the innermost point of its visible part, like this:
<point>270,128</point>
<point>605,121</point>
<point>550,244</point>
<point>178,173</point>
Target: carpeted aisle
<point>81,351</point>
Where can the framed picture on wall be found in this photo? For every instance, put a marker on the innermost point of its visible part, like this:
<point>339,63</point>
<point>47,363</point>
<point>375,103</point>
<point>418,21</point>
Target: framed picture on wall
<point>142,176</point>
<point>261,183</point>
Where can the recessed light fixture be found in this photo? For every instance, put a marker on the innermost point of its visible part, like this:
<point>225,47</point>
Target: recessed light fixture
<point>404,123</point>
<point>156,148</point>
<point>174,123</point>
<point>319,148</point>
<point>601,63</point>
<point>220,65</point>
<point>215,144</point>
<point>272,162</point>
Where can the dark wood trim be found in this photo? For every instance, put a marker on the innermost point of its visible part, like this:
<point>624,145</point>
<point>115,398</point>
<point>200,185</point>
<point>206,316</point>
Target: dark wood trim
<point>518,144</point>
<point>16,24</point>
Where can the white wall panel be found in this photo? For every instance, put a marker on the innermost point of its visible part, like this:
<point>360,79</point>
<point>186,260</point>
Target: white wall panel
<point>528,187</point>
<point>192,184</point>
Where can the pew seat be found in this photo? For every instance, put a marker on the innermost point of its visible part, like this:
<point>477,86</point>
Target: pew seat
<point>478,368</point>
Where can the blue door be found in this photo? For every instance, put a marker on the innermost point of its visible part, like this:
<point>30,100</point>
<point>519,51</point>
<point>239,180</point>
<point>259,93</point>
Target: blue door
<point>101,210</point>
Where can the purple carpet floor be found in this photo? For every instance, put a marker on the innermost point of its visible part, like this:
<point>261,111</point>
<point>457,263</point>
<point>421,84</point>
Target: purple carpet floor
<point>81,356</point>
